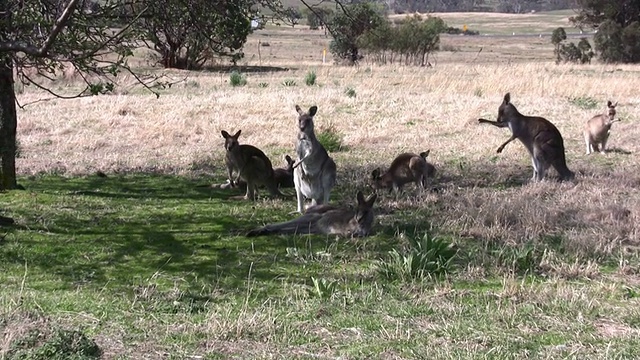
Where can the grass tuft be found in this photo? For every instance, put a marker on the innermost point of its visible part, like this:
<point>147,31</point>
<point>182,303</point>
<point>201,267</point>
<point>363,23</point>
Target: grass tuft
<point>331,139</point>
<point>237,79</point>
<point>310,78</point>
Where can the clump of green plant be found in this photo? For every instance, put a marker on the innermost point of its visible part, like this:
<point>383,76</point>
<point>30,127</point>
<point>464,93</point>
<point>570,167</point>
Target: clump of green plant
<point>425,257</point>
<point>330,138</point>
<point>310,78</point>
<point>584,102</point>
<point>263,85</point>
<point>518,259</point>
<point>237,79</point>
<point>323,288</point>
<point>478,92</point>
<point>60,345</point>
<point>351,92</point>
<point>289,82</point>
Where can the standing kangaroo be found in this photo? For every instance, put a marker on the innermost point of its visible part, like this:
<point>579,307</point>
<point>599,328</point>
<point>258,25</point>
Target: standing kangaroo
<point>405,168</point>
<point>596,132</point>
<point>251,164</point>
<point>314,172</point>
<point>327,219</point>
<point>541,138</point>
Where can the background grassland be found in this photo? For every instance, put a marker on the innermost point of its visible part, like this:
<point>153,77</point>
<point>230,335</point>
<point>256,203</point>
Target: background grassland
<point>152,263</point>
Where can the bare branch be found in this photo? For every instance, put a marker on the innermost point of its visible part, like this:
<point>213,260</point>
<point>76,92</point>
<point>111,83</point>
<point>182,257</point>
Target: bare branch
<point>60,23</point>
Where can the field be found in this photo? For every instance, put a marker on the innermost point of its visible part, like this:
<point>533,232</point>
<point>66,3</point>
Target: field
<point>151,262</point>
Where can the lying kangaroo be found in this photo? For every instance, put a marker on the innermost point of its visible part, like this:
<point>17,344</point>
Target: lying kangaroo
<point>251,164</point>
<point>283,177</point>
<point>596,132</point>
<point>314,172</point>
<point>327,219</point>
<point>541,138</point>
<point>405,168</point>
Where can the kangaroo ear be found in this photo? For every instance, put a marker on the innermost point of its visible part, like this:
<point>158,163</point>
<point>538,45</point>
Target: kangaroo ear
<point>299,110</point>
<point>375,174</point>
<point>288,159</point>
<point>609,103</point>
<point>616,104</point>
<point>237,135</point>
<point>313,110</point>
<point>507,98</point>
<point>371,199</point>
<point>360,198</point>
<point>225,134</point>
<point>425,153</point>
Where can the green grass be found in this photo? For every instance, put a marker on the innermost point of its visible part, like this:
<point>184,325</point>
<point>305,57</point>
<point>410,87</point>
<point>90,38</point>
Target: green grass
<point>150,264</point>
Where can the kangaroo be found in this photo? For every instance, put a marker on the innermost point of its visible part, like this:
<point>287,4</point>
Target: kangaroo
<point>405,168</point>
<point>541,138</point>
<point>283,177</point>
<point>328,219</point>
<point>251,164</point>
<point>314,172</point>
<point>596,132</point>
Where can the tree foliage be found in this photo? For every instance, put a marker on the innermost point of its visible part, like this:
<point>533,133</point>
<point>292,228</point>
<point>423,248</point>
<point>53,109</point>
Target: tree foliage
<point>410,41</point>
<point>348,25</point>
<point>569,52</point>
<point>186,34</point>
<point>618,29</point>
<point>317,17</point>
<point>41,39</point>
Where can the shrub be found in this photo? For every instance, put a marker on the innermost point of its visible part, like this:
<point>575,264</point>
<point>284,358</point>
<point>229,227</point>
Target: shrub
<point>427,256</point>
<point>310,78</point>
<point>351,92</point>
<point>330,138</point>
<point>237,79</point>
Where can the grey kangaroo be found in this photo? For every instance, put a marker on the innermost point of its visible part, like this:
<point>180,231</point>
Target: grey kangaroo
<point>405,168</point>
<point>541,138</point>
<point>328,219</point>
<point>251,164</point>
<point>314,172</point>
<point>596,132</point>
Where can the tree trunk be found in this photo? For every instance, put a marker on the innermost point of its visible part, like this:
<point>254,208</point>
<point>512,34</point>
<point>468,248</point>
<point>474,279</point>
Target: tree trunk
<point>8,124</point>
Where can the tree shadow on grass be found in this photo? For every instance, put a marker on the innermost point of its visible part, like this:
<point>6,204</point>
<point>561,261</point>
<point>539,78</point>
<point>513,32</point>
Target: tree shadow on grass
<point>246,69</point>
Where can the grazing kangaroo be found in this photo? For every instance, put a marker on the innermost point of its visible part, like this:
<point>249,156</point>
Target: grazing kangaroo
<point>251,164</point>
<point>283,177</point>
<point>541,138</point>
<point>596,132</point>
<point>327,219</point>
<point>314,172</point>
<point>405,168</point>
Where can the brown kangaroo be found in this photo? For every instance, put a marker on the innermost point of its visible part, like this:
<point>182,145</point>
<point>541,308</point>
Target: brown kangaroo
<point>541,138</point>
<point>328,219</point>
<point>596,132</point>
<point>405,168</point>
<point>251,164</point>
<point>283,177</point>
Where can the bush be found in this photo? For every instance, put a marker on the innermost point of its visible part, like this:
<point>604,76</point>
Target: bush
<point>330,138</point>
<point>427,256</point>
<point>310,78</point>
<point>237,79</point>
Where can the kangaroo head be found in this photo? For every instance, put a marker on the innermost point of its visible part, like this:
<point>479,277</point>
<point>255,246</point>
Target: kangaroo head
<point>231,141</point>
<point>424,154</point>
<point>506,111</point>
<point>289,161</point>
<point>611,111</point>
<point>376,180</point>
<point>305,119</point>
<point>364,213</point>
